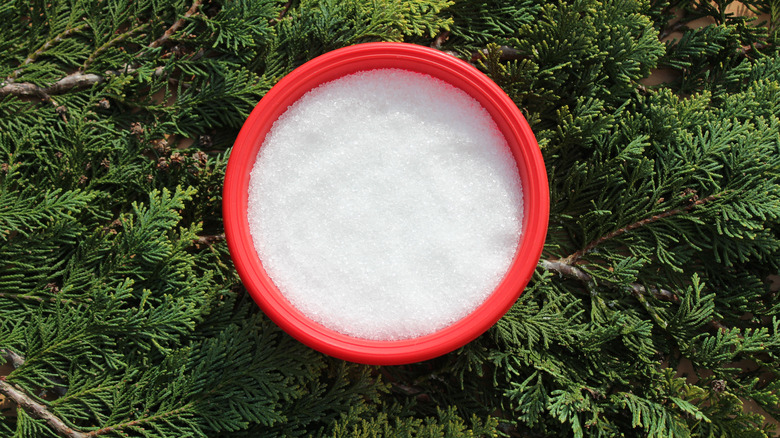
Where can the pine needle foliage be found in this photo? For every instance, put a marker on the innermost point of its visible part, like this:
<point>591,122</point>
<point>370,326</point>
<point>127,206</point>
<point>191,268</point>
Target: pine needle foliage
<point>650,313</point>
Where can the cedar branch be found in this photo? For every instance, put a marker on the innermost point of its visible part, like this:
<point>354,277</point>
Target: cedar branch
<point>571,271</point>
<point>34,55</point>
<point>133,423</point>
<point>110,43</point>
<point>179,23</point>
<point>572,258</point>
<point>37,410</point>
<point>636,289</point>
<point>283,12</point>
<point>24,296</point>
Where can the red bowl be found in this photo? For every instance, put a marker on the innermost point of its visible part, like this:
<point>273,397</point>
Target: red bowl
<point>342,62</point>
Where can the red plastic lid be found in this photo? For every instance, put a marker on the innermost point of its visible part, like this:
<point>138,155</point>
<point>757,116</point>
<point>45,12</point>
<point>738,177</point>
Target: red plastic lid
<point>331,66</point>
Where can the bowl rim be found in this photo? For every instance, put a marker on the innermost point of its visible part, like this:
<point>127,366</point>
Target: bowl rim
<point>368,56</point>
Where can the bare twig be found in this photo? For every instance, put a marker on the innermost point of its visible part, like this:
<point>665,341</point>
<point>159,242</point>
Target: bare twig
<point>12,357</point>
<point>24,89</point>
<point>37,410</point>
<point>208,240</point>
<point>73,81</point>
<point>179,23</point>
<point>283,12</point>
<point>566,270</point>
<point>507,54</point>
<point>572,258</point>
<point>576,273</point>
<point>671,29</point>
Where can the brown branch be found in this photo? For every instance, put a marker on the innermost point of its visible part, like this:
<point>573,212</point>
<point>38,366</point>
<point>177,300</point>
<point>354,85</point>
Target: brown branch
<point>282,13</point>
<point>680,25</point>
<point>208,240</point>
<point>566,270</point>
<point>24,89</point>
<point>37,410</point>
<point>507,54</point>
<point>34,55</point>
<point>12,357</point>
<point>17,360</point>
<point>572,258</point>
<point>179,23</point>
<point>576,273</point>
<point>77,81</point>
<point>74,80</point>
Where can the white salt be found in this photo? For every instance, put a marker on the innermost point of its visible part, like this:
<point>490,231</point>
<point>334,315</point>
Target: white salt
<point>385,205</point>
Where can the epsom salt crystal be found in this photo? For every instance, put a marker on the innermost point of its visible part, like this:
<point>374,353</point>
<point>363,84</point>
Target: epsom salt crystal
<point>385,205</point>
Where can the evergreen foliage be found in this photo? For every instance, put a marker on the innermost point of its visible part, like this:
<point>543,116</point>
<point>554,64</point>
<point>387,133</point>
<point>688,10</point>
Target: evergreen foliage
<point>120,312</point>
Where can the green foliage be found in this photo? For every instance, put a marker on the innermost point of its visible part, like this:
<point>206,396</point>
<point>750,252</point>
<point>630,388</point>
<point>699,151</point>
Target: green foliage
<point>650,314</point>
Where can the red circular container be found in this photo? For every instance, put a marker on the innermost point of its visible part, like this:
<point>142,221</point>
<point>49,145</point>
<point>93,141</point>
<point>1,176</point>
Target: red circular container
<point>343,62</point>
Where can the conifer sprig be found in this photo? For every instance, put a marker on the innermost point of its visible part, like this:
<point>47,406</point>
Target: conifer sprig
<point>121,314</point>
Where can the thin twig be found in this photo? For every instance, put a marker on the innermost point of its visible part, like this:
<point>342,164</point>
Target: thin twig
<point>171,30</point>
<point>576,273</point>
<point>282,13</point>
<point>671,29</point>
<point>566,270</point>
<point>37,410</point>
<point>77,81</point>
<point>572,258</point>
<point>34,55</point>
<point>17,360</point>
<point>208,240</point>
<point>507,54</point>
<point>12,357</point>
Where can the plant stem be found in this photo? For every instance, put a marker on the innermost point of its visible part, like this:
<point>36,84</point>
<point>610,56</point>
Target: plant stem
<point>13,358</point>
<point>208,240</point>
<point>37,410</point>
<point>571,271</point>
<point>572,258</point>
<point>77,81</point>
<point>171,30</point>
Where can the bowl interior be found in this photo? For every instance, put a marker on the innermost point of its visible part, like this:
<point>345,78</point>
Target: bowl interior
<point>343,62</point>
